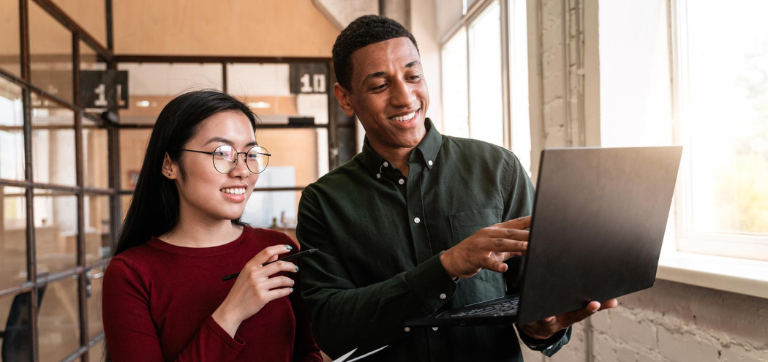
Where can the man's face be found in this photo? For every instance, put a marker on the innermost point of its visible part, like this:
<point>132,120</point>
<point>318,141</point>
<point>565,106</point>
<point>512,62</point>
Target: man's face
<point>389,93</point>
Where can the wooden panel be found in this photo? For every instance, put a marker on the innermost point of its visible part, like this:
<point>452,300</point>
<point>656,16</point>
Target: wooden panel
<point>91,15</point>
<point>226,27</point>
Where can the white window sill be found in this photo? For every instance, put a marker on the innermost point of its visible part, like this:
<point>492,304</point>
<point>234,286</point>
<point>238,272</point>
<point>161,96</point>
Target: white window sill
<point>735,275</point>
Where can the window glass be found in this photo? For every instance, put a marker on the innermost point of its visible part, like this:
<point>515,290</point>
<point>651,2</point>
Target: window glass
<point>11,132</point>
<point>96,353</point>
<point>55,231</point>
<point>50,46</point>
<point>133,145</point>
<point>485,98</point>
<point>273,209</point>
<point>53,143</point>
<point>97,231</point>
<point>58,321</point>
<point>13,237</point>
<point>727,123</point>
<point>454,77</point>
<point>518,62</point>
<point>266,89</point>
<point>299,156</point>
<point>125,201</point>
<point>95,155</point>
<point>93,293</point>
<point>152,85</point>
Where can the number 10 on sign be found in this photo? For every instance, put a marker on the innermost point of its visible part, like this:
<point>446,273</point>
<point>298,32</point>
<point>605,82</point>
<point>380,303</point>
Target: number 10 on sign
<point>315,84</point>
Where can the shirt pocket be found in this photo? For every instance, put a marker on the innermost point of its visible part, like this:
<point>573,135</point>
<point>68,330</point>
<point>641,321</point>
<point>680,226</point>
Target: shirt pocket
<point>464,224</point>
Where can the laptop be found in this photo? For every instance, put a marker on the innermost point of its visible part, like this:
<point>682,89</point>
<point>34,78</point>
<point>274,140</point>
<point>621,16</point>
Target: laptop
<point>598,223</point>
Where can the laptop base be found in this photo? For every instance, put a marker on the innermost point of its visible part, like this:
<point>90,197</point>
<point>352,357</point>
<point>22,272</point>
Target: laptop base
<point>492,312</point>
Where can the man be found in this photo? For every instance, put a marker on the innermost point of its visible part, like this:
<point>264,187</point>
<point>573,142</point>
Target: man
<point>415,223</point>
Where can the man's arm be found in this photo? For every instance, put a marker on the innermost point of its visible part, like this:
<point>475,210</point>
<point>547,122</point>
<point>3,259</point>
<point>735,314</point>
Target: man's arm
<point>346,316</point>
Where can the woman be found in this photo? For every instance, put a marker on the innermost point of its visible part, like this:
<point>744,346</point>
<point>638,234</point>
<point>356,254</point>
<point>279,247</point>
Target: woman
<point>164,297</point>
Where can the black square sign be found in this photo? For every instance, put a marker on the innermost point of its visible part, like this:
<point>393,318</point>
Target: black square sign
<point>101,88</point>
<point>308,77</point>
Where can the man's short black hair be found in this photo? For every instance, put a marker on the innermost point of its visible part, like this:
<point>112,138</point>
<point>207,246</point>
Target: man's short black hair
<point>363,31</point>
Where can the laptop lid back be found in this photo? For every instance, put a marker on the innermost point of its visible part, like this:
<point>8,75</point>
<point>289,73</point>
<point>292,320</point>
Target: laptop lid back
<point>598,225</point>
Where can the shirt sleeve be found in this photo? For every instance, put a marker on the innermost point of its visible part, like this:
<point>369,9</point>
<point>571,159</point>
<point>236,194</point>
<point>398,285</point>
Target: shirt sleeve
<point>549,346</point>
<point>131,334</point>
<point>345,316</point>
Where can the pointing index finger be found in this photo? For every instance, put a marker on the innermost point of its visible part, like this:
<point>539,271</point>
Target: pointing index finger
<point>520,223</point>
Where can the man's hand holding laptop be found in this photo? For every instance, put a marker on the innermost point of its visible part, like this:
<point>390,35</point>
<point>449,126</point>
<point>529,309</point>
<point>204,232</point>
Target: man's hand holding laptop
<point>546,327</point>
<point>488,248</point>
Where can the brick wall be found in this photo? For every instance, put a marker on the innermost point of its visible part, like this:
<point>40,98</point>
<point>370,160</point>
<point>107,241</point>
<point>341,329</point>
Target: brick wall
<point>672,322</point>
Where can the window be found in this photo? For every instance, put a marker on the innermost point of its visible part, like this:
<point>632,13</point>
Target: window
<point>485,96</point>
<point>473,92</point>
<point>454,77</point>
<point>518,73</point>
<point>722,87</point>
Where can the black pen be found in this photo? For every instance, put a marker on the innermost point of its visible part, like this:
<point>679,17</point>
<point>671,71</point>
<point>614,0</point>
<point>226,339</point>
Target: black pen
<point>287,258</point>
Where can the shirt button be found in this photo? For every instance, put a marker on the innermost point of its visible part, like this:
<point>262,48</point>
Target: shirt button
<point>386,164</point>
<point>407,329</point>
<point>434,329</point>
<point>429,162</point>
<point>401,181</point>
<point>443,296</point>
<point>417,220</point>
<point>378,175</point>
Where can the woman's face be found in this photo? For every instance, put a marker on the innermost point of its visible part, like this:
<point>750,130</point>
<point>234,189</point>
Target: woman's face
<point>203,191</point>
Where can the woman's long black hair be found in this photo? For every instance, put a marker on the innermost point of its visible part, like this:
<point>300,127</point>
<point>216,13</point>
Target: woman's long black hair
<point>154,208</point>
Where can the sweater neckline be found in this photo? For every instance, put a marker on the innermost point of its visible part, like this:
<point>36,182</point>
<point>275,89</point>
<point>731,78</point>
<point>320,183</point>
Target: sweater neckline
<point>204,251</point>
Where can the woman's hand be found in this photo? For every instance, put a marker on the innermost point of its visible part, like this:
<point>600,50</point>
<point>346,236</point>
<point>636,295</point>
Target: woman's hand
<point>255,287</point>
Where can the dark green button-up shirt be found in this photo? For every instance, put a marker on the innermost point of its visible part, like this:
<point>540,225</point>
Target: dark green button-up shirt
<point>380,235</point>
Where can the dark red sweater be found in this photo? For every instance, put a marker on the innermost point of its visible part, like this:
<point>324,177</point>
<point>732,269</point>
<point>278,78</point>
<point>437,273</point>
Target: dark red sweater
<point>158,300</point>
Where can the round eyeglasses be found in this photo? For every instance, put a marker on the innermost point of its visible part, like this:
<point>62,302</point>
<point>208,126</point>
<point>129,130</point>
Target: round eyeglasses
<point>225,158</point>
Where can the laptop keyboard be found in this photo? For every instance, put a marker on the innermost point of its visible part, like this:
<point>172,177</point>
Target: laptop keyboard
<point>506,307</point>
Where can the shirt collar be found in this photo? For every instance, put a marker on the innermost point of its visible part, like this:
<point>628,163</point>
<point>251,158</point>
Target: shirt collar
<point>428,149</point>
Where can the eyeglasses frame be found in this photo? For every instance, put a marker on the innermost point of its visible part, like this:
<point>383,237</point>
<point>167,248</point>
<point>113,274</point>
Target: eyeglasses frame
<point>237,158</point>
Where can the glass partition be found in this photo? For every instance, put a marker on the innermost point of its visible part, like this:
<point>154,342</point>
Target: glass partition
<point>55,231</point>
<point>13,236</point>
<point>95,154</point>
<point>11,132</point>
<point>53,143</point>
<point>10,50</point>
<point>152,85</point>
<point>50,46</point>
<point>58,321</point>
